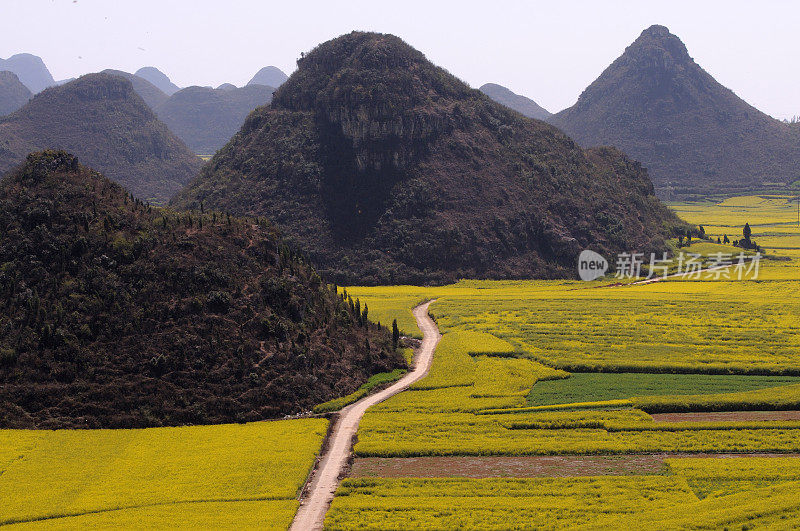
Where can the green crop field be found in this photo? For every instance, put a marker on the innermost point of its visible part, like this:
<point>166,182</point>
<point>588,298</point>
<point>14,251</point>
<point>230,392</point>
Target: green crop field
<point>229,476</point>
<point>593,387</point>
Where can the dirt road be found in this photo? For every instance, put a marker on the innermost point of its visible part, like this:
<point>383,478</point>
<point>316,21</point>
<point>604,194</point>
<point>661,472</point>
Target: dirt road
<point>311,514</point>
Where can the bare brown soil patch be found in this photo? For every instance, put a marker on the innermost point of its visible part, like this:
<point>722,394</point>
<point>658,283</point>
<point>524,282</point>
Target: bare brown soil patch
<point>508,466</point>
<point>525,466</point>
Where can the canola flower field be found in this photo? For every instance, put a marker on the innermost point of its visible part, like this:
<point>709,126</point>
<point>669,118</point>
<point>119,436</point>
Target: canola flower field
<point>567,368</point>
<point>554,368</point>
<point>666,501</point>
<point>227,476</point>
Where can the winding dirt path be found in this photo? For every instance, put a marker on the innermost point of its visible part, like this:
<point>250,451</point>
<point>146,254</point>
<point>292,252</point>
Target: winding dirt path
<point>311,514</point>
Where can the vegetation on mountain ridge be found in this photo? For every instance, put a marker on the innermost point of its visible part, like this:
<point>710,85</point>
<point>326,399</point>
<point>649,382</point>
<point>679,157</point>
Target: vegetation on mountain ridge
<point>13,94</point>
<point>694,135</point>
<point>386,169</point>
<point>104,122</point>
<point>117,314</point>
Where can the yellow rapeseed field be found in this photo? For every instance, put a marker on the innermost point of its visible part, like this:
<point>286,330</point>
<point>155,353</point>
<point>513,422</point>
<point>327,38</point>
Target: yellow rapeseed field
<point>694,493</point>
<point>188,474</point>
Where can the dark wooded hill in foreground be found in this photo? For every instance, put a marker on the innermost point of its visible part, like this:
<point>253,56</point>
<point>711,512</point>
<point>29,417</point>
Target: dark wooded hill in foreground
<point>521,104</point>
<point>386,169</point>
<point>100,119</point>
<point>116,314</point>
<point>693,134</point>
<point>13,94</point>
<point>205,118</point>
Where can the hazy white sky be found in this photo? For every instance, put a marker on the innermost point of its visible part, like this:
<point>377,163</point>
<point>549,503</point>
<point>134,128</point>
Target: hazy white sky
<point>549,51</point>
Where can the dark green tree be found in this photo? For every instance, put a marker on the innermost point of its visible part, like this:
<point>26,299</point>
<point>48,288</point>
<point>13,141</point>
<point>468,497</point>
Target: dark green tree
<point>746,232</point>
<point>395,333</point>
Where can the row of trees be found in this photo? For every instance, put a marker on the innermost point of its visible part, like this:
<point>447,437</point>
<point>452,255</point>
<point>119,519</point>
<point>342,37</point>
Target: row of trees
<point>745,243</point>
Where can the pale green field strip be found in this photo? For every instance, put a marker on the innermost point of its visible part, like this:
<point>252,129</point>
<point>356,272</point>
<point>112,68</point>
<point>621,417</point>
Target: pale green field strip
<point>188,474</point>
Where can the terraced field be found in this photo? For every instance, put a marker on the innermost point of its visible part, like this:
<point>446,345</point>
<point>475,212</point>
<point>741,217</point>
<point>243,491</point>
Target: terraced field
<point>575,371</point>
<point>666,501</point>
<point>227,476</point>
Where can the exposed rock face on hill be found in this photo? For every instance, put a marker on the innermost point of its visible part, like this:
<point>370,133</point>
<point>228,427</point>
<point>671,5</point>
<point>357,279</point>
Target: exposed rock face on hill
<point>206,119</point>
<point>694,135</point>
<point>387,169</point>
<point>115,314</point>
<point>13,94</point>
<point>30,70</point>
<point>521,104</point>
<point>270,76</point>
<point>153,96</point>
<point>159,79</point>
<point>103,121</point>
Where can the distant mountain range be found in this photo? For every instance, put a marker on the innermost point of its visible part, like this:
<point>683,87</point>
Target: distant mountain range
<point>386,169</point>
<point>102,120</point>
<point>153,96</point>
<point>13,94</point>
<point>521,104</point>
<point>116,315</point>
<point>270,76</point>
<point>205,118</point>
<point>30,70</point>
<point>694,135</point>
<point>158,79</point>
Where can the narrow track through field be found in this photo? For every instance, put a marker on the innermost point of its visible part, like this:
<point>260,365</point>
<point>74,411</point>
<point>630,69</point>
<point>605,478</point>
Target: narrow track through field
<point>325,480</point>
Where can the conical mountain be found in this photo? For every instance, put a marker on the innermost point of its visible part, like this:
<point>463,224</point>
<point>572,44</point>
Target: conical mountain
<point>521,104</point>
<point>205,118</point>
<point>101,119</point>
<point>385,169</point>
<point>30,70</point>
<point>13,94</point>
<point>117,314</point>
<point>153,96</point>
<point>270,76</point>
<point>158,78</point>
<point>694,135</point>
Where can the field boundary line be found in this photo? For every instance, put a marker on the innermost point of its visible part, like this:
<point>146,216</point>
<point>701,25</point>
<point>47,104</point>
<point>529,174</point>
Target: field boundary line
<point>13,521</point>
